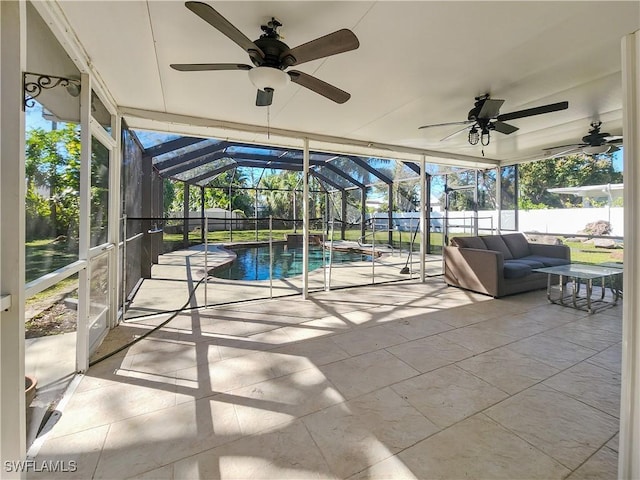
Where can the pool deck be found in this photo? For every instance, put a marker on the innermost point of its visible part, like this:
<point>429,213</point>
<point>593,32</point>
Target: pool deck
<point>178,272</point>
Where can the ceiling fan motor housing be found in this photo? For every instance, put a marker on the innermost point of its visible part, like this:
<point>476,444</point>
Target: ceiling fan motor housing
<point>272,49</point>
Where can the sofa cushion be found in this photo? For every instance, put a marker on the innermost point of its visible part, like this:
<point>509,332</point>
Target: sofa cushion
<point>547,261</point>
<point>533,263</point>
<point>515,269</point>
<point>495,242</point>
<point>517,244</point>
<point>468,242</point>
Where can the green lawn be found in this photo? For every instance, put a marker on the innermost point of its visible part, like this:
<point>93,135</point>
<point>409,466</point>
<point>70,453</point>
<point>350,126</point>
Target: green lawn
<point>45,256</point>
<point>581,253</point>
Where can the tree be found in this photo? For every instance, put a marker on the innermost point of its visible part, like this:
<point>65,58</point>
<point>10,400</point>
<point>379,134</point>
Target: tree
<point>52,168</point>
<point>216,194</point>
<point>575,170</point>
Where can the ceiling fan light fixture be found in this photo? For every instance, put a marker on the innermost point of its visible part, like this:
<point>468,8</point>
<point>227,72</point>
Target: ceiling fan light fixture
<point>596,149</point>
<point>268,77</point>
<point>474,136</point>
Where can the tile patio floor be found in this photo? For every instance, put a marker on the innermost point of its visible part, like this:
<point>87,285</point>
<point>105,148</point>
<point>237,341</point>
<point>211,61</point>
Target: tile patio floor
<point>404,380</point>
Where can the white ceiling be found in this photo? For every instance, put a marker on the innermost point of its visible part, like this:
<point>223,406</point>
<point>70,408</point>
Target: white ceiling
<point>418,63</point>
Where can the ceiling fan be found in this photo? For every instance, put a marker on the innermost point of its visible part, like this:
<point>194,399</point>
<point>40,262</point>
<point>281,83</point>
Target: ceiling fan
<point>270,56</point>
<point>485,117</point>
<point>594,143</point>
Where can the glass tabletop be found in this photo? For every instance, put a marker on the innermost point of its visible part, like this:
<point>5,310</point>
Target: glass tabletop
<point>577,270</point>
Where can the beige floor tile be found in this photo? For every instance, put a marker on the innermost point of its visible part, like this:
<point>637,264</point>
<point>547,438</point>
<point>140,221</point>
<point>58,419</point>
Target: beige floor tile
<point>104,374</point>
<point>78,453</point>
<point>611,322</point>
<point>517,326</point>
<point>554,351</point>
<point>237,372</point>
<point>178,357</point>
<point>415,326</point>
<point>479,448</point>
<point>364,340</point>
<point>392,468</point>
<point>266,405</point>
<point>466,315</point>
<point>162,473</point>
<point>601,466</point>
<point>589,337</point>
<point>430,353</point>
<point>590,384</point>
<point>614,442</point>
<point>147,442</point>
<point>276,366</point>
<point>366,373</point>
<point>564,428</point>
<point>479,338</point>
<point>288,453</point>
<point>317,351</point>
<point>448,395</point>
<point>105,405</point>
<point>363,431</point>
<point>507,370</point>
<point>232,347</point>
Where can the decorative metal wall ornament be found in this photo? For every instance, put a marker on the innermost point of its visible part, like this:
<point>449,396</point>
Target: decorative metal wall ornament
<point>34,87</point>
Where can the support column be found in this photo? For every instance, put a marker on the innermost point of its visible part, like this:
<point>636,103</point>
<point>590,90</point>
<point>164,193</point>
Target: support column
<point>13,438</point>
<point>424,218</point>
<point>343,214</point>
<point>390,215</point>
<point>305,220</point>
<point>202,232</point>
<point>185,215</point>
<point>84,226</point>
<point>147,212</point>
<point>363,212</point>
<point>628,458</point>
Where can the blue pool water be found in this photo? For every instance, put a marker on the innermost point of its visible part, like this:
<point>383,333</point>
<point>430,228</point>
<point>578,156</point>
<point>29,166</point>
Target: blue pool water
<point>252,263</point>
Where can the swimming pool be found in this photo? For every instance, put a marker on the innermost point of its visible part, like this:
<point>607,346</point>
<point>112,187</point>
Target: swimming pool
<point>252,263</point>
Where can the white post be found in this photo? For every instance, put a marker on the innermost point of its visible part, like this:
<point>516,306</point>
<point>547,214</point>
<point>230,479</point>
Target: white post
<point>13,437</point>
<point>424,227</point>
<point>628,457</point>
<point>206,259</point>
<point>124,264</point>
<point>84,234</point>
<point>305,220</point>
<point>270,256</point>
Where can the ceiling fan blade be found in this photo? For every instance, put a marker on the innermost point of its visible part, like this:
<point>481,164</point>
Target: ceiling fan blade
<point>224,26</point>
<point>613,149</point>
<point>457,132</point>
<point>264,97</point>
<point>323,88</point>
<point>565,151</point>
<point>529,112</point>
<point>466,122</point>
<point>613,138</point>
<point>490,108</point>
<point>504,127</point>
<point>337,42</point>
<point>202,67</point>
<point>569,145</point>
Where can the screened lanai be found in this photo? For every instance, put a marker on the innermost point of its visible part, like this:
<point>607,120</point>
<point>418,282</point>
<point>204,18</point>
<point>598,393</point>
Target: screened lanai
<point>363,177</point>
<point>351,237</point>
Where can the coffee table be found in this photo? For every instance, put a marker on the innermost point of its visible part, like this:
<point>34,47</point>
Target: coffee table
<point>577,274</point>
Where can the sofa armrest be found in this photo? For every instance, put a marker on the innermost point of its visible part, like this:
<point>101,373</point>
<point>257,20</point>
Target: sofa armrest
<point>474,269</point>
<point>556,251</point>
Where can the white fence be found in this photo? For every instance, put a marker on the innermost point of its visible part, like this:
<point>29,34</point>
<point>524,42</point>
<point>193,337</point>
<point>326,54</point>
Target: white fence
<point>560,220</point>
